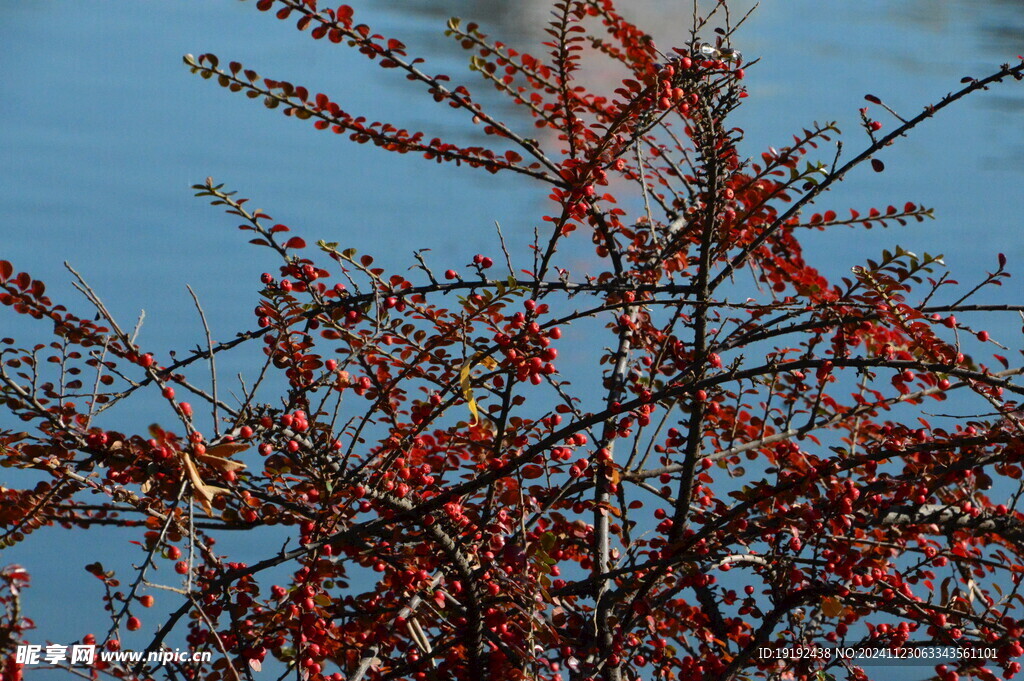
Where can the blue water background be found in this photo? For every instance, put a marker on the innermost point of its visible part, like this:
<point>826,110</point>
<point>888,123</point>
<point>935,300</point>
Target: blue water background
<point>103,130</point>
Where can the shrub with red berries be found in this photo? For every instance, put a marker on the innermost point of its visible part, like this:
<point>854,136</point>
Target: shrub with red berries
<point>509,469</point>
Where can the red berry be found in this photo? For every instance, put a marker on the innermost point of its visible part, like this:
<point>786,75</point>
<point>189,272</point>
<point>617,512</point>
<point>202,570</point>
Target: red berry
<point>181,567</point>
<point>134,624</point>
<point>983,336</point>
<point>876,126</point>
<point>168,392</point>
<point>451,274</point>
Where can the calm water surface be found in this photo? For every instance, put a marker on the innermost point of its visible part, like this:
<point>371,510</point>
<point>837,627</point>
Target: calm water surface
<point>102,131</point>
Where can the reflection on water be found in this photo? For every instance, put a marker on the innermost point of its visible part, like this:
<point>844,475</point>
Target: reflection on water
<point>936,37</point>
<point>995,23</point>
<point>524,21</point>
<point>104,131</point>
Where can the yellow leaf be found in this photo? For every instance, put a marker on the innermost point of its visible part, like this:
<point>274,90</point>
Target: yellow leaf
<point>832,607</point>
<point>226,449</point>
<point>220,464</point>
<point>467,389</point>
<point>216,456</point>
<point>203,493</point>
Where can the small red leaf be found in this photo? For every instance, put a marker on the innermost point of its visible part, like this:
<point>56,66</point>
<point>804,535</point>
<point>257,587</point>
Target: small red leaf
<point>295,242</point>
<point>532,472</point>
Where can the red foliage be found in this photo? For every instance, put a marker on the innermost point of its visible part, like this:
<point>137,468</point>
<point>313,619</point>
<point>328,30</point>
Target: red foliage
<point>751,472</point>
